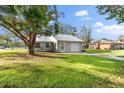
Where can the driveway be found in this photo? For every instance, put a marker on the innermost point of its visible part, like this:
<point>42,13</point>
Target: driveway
<point>105,56</point>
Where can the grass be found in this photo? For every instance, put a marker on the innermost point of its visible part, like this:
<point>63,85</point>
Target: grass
<point>118,53</point>
<point>58,70</point>
<point>96,51</point>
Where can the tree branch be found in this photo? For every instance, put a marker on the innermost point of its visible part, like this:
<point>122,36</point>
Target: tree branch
<point>15,30</point>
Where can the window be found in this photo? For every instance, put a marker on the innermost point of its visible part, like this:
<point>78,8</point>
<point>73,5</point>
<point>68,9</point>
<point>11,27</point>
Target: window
<point>62,46</point>
<point>37,45</point>
<point>47,45</point>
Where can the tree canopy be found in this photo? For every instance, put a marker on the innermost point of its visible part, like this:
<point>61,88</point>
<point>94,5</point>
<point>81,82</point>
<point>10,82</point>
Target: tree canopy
<point>112,11</point>
<point>27,21</point>
<point>121,38</point>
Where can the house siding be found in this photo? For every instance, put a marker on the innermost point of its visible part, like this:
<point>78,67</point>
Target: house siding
<point>43,47</point>
<point>59,43</point>
<point>105,46</point>
<point>70,46</point>
<point>76,47</point>
<point>93,46</point>
<point>101,46</point>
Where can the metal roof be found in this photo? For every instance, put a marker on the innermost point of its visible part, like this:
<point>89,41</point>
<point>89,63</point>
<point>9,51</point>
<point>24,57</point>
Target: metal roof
<point>40,38</point>
<point>59,37</point>
<point>63,37</point>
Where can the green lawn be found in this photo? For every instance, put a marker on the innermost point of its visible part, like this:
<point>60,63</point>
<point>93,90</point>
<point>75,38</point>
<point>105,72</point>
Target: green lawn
<point>96,51</point>
<point>119,53</point>
<point>58,70</point>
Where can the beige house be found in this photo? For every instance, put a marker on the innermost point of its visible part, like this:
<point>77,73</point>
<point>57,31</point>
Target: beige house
<point>106,45</point>
<point>58,43</point>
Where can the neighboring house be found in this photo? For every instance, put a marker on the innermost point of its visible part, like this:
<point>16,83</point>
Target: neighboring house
<point>58,43</point>
<point>118,45</point>
<point>2,47</point>
<point>106,45</point>
<point>101,44</point>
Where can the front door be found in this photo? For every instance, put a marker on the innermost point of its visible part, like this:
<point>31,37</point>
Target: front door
<point>99,46</point>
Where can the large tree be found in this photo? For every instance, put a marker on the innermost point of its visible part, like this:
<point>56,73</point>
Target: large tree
<point>86,35</point>
<point>67,29</point>
<point>112,11</point>
<point>27,21</point>
<point>121,38</point>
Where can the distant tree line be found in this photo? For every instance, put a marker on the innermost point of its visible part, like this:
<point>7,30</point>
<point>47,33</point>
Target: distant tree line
<point>10,41</point>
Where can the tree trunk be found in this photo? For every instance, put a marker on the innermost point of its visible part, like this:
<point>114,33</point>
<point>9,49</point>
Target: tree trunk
<point>31,50</point>
<point>12,47</point>
<point>31,45</point>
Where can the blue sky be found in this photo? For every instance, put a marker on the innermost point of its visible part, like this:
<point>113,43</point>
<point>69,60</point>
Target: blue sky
<point>79,15</point>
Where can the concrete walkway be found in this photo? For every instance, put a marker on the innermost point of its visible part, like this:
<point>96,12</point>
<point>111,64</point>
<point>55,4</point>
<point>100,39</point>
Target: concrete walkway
<point>105,56</point>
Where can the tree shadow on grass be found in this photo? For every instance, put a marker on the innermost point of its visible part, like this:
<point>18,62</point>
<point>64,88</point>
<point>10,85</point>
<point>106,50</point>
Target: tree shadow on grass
<point>120,56</point>
<point>11,54</point>
<point>29,76</point>
<point>26,56</point>
<point>49,56</point>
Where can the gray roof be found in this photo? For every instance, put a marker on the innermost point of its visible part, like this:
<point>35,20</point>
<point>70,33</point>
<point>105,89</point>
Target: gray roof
<point>62,37</point>
<point>45,39</point>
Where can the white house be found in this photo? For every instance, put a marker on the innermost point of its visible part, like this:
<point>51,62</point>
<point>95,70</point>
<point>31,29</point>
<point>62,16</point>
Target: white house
<point>58,43</point>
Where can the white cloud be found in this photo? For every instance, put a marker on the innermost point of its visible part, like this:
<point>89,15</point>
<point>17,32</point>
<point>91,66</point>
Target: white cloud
<point>81,13</point>
<point>98,24</point>
<point>109,29</point>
